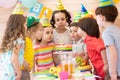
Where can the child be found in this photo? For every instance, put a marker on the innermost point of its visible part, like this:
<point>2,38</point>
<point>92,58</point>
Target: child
<point>95,46</point>
<point>106,16</point>
<point>61,34</point>
<point>35,30</point>
<point>78,45</point>
<point>44,48</point>
<point>12,48</point>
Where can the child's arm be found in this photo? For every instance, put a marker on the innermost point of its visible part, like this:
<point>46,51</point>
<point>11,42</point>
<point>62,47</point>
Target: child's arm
<point>34,63</point>
<point>104,57</point>
<point>113,61</point>
<point>15,61</point>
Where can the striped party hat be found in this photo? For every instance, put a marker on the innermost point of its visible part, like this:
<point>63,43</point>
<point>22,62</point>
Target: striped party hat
<point>103,3</point>
<point>44,20</point>
<point>18,9</point>
<point>60,5</point>
<point>84,12</point>
<point>77,16</point>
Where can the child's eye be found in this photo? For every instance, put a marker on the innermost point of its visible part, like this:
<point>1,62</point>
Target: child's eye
<point>57,20</point>
<point>63,19</point>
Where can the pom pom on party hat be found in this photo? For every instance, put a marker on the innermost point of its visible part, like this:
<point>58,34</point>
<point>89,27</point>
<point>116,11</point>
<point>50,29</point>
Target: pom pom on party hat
<point>18,9</point>
<point>103,3</point>
<point>60,5</point>
<point>44,20</point>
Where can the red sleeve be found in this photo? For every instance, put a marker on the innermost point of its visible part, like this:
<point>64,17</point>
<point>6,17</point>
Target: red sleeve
<point>100,45</point>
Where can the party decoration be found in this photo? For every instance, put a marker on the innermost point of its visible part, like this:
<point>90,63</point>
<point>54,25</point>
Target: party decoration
<point>28,3</point>
<point>77,16</point>
<point>49,12</point>
<point>84,12</point>
<point>45,21</point>
<point>31,21</point>
<point>60,5</point>
<point>18,9</point>
<point>55,70</point>
<point>82,64</point>
<point>7,3</point>
<point>103,3</point>
<point>38,9</point>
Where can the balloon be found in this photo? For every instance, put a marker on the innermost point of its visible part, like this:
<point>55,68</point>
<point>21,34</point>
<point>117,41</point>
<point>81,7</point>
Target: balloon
<point>28,3</point>
<point>7,3</point>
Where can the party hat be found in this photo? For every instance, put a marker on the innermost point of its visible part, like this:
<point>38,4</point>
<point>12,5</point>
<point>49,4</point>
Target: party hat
<point>103,3</point>
<point>45,21</point>
<point>18,9</point>
<point>84,12</point>
<point>77,16</point>
<point>60,5</point>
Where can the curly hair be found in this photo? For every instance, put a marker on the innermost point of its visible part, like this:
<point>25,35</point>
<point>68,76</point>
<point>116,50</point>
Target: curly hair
<point>67,15</point>
<point>14,29</point>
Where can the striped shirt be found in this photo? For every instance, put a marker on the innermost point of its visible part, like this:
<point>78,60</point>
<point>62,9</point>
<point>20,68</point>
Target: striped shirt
<point>43,56</point>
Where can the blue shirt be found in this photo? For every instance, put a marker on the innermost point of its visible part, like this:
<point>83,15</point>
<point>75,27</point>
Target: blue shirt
<point>111,36</point>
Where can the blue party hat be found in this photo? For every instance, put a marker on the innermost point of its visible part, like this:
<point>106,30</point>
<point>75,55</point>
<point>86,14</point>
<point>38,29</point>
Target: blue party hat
<point>84,12</point>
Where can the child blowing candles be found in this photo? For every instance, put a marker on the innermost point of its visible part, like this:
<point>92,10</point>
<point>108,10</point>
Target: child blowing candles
<point>44,47</point>
<point>89,29</point>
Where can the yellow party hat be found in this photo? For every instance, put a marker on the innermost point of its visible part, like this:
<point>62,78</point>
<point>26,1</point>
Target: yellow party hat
<point>103,3</point>
<point>60,5</point>
<point>18,9</point>
<point>44,20</point>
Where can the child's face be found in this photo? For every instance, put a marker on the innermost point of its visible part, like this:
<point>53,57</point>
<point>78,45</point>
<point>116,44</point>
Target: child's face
<point>39,32</point>
<point>47,34</point>
<point>60,20</point>
<point>74,34</point>
<point>25,26</point>
<point>99,19</point>
<point>80,32</point>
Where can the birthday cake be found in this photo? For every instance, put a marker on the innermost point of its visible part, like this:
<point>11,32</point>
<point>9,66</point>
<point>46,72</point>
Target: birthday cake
<point>63,47</point>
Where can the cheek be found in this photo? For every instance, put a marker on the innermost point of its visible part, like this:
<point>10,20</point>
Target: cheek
<point>38,34</point>
<point>98,20</point>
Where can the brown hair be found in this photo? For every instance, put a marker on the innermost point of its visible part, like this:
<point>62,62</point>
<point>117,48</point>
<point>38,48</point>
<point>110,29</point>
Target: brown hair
<point>110,12</point>
<point>74,24</point>
<point>34,28</point>
<point>90,26</point>
<point>67,15</point>
<point>14,29</point>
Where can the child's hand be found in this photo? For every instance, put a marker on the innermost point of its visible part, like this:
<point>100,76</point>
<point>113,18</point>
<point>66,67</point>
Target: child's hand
<point>26,66</point>
<point>18,77</point>
<point>105,68</point>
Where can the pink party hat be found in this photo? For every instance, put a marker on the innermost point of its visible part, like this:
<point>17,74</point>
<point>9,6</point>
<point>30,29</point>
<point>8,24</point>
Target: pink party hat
<point>103,3</point>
